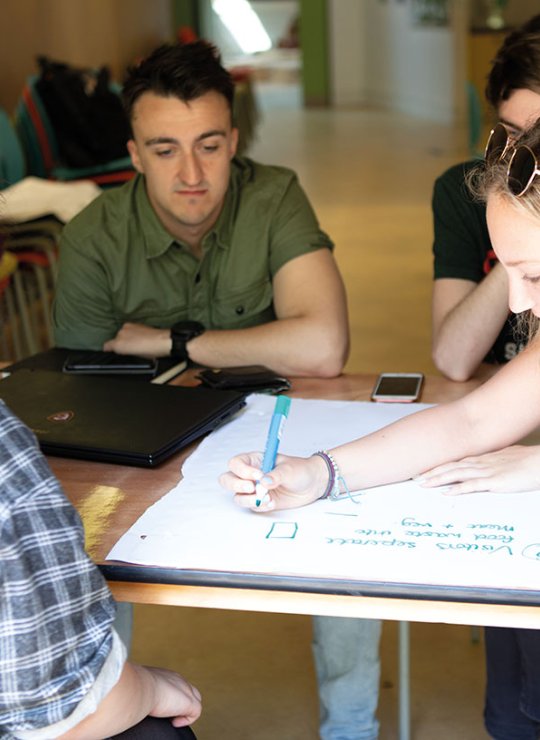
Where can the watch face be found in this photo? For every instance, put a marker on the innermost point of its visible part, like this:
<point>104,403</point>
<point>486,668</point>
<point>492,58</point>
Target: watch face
<point>186,330</point>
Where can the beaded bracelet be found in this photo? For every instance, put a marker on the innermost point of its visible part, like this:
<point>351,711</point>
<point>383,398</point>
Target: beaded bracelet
<point>334,477</point>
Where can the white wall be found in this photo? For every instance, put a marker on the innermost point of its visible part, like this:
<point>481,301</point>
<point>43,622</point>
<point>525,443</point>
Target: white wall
<point>410,67</point>
<point>347,51</point>
<point>276,17</point>
<point>380,57</point>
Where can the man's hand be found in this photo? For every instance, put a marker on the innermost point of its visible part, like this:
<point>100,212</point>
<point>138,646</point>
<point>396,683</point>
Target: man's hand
<point>510,470</point>
<point>137,339</point>
<point>175,697</point>
<point>140,691</point>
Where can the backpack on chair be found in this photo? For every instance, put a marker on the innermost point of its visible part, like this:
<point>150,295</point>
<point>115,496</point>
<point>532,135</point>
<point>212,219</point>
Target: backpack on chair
<point>90,125</point>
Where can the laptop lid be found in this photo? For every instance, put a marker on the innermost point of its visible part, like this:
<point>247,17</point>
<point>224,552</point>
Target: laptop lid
<point>110,420</point>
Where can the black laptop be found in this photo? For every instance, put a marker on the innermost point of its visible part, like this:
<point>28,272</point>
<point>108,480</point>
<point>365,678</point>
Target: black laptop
<point>110,420</point>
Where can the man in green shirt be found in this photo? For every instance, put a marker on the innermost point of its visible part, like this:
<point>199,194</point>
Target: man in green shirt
<point>203,255</point>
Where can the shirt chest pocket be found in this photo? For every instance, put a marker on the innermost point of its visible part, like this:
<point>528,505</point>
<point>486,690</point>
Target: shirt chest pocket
<point>239,308</point>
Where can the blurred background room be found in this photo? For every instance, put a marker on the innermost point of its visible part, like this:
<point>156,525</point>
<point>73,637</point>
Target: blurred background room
<point>368,101</point>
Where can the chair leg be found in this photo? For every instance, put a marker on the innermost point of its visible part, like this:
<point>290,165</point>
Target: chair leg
<point>404,712</point>
<point>22,306</point>
<point>45,304</point>
<point>13,323</point>
<point>4,325</point>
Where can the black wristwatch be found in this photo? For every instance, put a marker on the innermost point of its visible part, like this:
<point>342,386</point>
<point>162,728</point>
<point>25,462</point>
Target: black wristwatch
<point>181,333</point>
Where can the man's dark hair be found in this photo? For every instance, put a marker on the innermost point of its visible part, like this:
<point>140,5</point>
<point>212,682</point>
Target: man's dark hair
<point>183,71</point>
<point>517,63</point>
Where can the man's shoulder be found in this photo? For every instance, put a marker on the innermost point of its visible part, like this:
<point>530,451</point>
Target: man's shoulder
<point>452,186</point>
<point>113,206</point>
<point>252,174</point>
<point>457,173</point>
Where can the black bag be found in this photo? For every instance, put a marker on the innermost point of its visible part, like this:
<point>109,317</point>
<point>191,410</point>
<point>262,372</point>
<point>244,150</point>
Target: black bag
<point>89,122</point>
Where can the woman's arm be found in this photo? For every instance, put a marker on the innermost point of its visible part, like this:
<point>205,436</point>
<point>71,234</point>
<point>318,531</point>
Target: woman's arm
<point>510,470</point>
<point>498,413</point>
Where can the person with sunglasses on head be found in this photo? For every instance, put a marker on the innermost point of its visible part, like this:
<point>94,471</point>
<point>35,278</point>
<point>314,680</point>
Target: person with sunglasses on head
<point>463,445</point>
<point>470,318</point>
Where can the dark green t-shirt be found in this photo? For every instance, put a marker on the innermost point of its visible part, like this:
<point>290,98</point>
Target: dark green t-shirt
<point>462,247</point>
<point>118,263</point>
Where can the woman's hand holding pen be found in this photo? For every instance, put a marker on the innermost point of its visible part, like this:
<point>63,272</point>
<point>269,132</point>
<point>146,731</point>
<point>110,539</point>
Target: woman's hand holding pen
<point>510,470</point>
<point>294,481</point>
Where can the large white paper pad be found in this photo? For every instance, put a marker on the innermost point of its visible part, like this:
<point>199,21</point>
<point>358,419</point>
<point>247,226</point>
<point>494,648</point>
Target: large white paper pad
<point>399,533</point>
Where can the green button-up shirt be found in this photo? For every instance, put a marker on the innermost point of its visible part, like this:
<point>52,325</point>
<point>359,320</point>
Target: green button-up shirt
<point>118,263</point>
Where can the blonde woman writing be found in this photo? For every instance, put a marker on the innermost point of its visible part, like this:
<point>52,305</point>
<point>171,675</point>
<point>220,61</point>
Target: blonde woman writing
<point>464,444</point>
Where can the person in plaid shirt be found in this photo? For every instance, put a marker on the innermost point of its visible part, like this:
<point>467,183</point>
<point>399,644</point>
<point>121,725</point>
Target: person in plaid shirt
<point>63,668</point>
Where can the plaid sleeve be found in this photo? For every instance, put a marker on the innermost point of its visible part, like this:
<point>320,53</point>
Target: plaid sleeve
<point>55,608</point>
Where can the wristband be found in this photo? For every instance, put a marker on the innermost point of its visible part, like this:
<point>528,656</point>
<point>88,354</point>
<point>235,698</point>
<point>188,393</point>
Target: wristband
<point>334,477</point>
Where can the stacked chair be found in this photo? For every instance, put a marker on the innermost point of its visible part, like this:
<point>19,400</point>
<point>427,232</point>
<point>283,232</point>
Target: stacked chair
<point>28,257</point>
<point>69,125</point>
<point>10,336</point>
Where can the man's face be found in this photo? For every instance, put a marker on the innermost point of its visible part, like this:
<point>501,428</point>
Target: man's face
<point>520,110</point>
<point>184,151</point>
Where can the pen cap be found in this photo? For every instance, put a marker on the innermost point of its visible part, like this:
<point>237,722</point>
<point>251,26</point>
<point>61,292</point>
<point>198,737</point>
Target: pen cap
<point>282,406</point>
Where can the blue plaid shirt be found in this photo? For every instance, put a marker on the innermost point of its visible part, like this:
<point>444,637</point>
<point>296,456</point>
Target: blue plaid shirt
<point>55,608</point>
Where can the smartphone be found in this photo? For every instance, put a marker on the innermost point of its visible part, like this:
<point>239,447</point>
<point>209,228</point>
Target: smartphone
<point>109,363</point>
<point>398,387</point>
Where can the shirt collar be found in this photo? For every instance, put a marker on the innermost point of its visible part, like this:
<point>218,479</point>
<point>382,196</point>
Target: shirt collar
<point>157,238</point>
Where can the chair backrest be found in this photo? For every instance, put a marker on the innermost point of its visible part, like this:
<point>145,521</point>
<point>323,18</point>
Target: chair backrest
<point>41,148</point>
<point>12,164</point>
<point>35,133</point>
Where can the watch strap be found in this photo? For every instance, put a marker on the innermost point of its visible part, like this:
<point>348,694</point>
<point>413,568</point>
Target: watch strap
<point>181,333</point>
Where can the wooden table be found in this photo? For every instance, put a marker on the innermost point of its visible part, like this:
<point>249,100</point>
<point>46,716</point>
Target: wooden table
<point>110,498</point>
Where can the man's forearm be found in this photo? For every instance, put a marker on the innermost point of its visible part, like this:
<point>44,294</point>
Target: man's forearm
<point>310,336</point>
<point>295,347</point>
<point>140,692</point>
<point>128,702</point>
<point>470,328</point>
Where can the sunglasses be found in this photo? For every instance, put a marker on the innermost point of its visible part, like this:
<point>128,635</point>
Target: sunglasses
<point>523,165</point>
<point>498,144</point>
